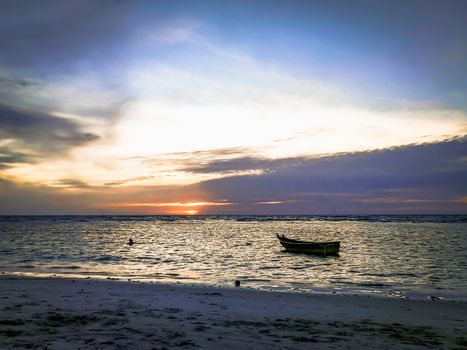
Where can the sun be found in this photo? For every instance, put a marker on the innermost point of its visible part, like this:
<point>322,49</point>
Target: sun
<point>190,212</point>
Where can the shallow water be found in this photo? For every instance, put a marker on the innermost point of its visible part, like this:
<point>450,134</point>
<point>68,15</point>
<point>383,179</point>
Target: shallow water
<point>399,256</point>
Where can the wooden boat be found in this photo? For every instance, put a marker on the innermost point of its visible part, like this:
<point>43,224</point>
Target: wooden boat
<point>318,248</point>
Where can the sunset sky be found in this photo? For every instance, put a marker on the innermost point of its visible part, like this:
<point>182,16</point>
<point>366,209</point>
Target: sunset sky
<point>233,107</point>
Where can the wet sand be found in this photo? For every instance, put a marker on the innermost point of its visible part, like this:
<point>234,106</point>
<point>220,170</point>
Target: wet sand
<point>55,313</point>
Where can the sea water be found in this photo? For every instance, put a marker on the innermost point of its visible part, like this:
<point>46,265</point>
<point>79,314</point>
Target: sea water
<point>399,256</point>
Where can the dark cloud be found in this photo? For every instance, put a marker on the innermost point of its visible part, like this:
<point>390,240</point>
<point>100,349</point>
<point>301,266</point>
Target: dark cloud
<point>39,96</point>
<point>16,83</point>
<point>231,165</point>
<point>74,183</point>
<point>8,158</point>
<point>204,154</point>
<point>239,164</point>
<point>219,160</point>
<point>45,32</point>
<point>415,178</point>
<point>126,181</point>
<point>34,199</point>
<point>42,134</point>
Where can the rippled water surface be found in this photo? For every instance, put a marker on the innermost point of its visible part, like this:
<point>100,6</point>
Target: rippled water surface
<point>399,256</point>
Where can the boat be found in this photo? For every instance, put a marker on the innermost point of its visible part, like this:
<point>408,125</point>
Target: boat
<point>306,247</point>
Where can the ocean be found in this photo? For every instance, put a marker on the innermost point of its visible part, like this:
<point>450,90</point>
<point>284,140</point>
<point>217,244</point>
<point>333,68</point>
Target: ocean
<point>393,256</point>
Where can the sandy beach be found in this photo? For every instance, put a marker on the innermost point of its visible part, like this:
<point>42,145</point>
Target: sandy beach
<point>56,313</point>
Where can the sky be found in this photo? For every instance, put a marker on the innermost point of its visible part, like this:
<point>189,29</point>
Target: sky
<point>233,107</point>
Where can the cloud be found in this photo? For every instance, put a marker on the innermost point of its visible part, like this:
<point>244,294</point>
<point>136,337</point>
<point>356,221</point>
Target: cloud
<point>75,197</point>
<point>15,83</point>
<point>256,106</point>
<point>36,34</point>
<point>196,161</point>
<point>420,179</point>
<point>127,181</point>
<point>8,158</point>
<point>72,183</point>
<point>40,135</point>
<point>417,178</point>
<point>80,96</point>
<point>235,165</point>
<point>34,199</point>
<point>328,40</point>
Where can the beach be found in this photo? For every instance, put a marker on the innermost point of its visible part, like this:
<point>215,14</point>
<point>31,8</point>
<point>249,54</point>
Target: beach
<point>64,313</point>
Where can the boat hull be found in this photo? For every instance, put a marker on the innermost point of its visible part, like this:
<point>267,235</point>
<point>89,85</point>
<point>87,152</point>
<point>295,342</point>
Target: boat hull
<point>316,248</point>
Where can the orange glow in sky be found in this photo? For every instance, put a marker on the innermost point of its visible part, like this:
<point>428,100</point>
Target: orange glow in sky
<point>178,208</point>
<point>175,204</point>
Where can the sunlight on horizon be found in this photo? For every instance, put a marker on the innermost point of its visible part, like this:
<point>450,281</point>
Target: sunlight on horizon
<point>177,208</point>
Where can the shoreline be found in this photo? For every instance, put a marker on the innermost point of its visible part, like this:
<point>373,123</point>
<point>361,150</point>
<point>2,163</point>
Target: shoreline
<point>70,313</point>
<point>363,290</point>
